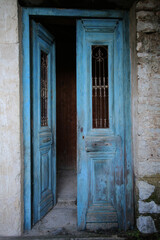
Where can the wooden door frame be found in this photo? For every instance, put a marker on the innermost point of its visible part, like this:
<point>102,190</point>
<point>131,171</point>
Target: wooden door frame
<point>26,85</point>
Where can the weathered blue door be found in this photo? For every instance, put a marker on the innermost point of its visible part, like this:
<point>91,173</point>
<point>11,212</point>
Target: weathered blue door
<point>44,121</point>
<point>100,124</point>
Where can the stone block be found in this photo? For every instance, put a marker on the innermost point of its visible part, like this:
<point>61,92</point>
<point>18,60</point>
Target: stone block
<point>146,168</point>
<point>145,190</point>
<point>150,43</point>
<point>148,5</point>
<point>143,71</point>
<point>147,27</point>
<point>145,224</point>
<point>139,45</point>
<point>145,15</point>
<point>148,207</point>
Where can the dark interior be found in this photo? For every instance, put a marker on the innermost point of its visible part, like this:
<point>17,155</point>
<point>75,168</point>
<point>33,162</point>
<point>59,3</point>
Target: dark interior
<point>66,98</point>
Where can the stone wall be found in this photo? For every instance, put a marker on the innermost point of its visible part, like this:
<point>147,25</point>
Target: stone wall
<point>147,165</point>
<point>10,154</point>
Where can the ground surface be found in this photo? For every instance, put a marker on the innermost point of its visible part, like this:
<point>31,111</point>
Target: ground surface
<point>61,222</point>
<point>62,219</point>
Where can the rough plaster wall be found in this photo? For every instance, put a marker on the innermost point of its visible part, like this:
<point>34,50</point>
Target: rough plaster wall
<point>10,158</point>
<point>147,166</point>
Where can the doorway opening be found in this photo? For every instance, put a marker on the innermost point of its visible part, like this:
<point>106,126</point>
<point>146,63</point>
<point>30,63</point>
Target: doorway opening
<point>66,112</point>
<point>103,155</point>
<point>63,216</point>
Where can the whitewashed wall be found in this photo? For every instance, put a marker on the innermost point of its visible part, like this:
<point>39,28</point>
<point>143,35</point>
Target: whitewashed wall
<point>10,155</point>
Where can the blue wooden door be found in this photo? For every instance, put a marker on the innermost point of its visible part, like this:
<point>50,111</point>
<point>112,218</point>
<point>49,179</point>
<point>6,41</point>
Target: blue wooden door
<point>44,121</point>
<point>100,124</point>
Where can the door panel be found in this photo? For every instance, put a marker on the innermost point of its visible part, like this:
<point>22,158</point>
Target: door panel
<point>100,198</point>
<point>44,121</point>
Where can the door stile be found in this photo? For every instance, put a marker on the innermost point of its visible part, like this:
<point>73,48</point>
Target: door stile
<point>44,122</point>
<point>82,176</point>
<point>119,121</point>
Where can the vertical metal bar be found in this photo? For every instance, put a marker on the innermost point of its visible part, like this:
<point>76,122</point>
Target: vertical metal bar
<point>100,91</point>
<point>104,95</point>
<point>96,117</point>
<point>47,91</point>
<point>44,88</point>
<point>41,85</point>
<point>46,94</point>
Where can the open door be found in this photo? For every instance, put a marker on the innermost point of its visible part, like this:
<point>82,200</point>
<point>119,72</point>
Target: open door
<point>44,122</point>
<point>100,124</point>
